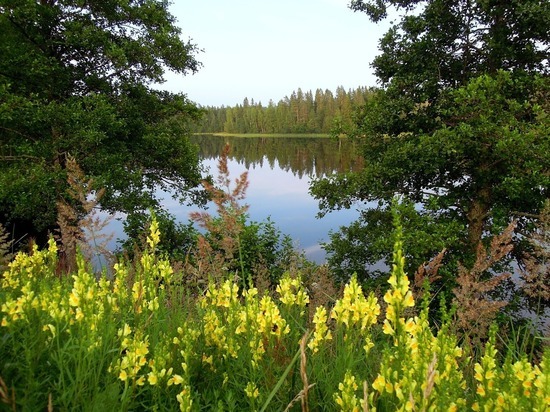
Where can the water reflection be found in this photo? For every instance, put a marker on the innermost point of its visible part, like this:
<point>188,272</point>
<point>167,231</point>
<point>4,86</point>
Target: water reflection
<point>280,170</point>
<point>302,156</point>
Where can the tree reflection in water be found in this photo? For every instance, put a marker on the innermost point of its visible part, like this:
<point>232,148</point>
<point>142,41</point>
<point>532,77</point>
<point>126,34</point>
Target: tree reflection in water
<point>280,171</point>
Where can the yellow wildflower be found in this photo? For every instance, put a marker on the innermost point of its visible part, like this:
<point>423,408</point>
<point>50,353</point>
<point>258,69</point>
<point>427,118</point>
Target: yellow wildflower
<point>410,326</point>
<point>480,390</point>
<point>379,384</point>
<point>138,290</point>
<point>123,375</point>
<point>251,390</point>
<point>354,309</point>
<point>153,304</point>
<point>291,291</point>
<point>409,300</point>
<point>79,315</point>
<point>184,399</point>
<point>152,378</point>
<point>74,300</point>
<point>269,318</point>
<point>142,348</point>
<point>125,331</point>
<point>175,380</point>
<point>368,344</point>
<point>387,328</point>
<point>154,234</point>
<point>479,372</point>
<point>321,330</point>
<point>346,398</point>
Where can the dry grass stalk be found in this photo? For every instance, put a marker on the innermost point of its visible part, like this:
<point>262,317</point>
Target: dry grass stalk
<point>536,264</point>
<point>5,249</point>
<point>321,288</point>
<point>428,271</point>
<point>297,398</point>
<point>365,397</point>
<point>6,396</point>
<point>219,253</point>
<point>303,373</point>
<point>411,401</point>
<point>79,225</point>
<point>475,310</point>
<point>430,379</point>
<point>303,394</point>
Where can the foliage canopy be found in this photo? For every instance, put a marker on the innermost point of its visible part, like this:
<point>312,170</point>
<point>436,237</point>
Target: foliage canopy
<point>459,127</point>
<point>78,79</point>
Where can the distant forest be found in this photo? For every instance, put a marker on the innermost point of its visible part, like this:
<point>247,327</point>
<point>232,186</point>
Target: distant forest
<point>302,112</point>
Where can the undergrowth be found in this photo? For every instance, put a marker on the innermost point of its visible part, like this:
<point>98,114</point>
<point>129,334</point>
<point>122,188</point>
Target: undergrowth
<point>135,342</point>
<point>212,334</point>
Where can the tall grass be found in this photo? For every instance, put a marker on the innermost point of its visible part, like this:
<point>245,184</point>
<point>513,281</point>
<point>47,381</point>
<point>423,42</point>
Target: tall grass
<point>139,342</point>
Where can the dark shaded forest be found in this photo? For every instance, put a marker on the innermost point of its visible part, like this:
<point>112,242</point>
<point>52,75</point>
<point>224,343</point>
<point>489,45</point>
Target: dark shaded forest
<point>302,112</point>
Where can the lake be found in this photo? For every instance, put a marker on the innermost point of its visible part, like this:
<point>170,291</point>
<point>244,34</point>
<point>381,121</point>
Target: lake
<point>280,170</point>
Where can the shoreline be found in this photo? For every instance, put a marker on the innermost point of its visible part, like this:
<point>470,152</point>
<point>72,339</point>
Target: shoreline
<point>281,135</point>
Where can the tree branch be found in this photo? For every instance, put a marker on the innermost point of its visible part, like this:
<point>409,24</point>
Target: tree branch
<point>26,136</point>
<point>21,157</point>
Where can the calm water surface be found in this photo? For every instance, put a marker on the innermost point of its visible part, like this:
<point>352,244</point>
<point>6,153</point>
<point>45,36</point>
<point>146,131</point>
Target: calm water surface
<point>280,170</point>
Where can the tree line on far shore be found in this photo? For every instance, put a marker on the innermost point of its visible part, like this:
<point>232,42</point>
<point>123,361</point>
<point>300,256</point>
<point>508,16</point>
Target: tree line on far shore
<point>302,112</point>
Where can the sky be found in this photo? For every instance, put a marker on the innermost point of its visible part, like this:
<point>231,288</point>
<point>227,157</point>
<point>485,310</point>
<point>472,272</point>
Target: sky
<point>265,50</point>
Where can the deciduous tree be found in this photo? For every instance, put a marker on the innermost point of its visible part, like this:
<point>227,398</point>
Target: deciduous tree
<point>460,125</point>
<point>80,78</point>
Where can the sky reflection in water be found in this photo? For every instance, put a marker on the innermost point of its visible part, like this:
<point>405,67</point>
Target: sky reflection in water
<point>280,170</point>
<point>284,197</point>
